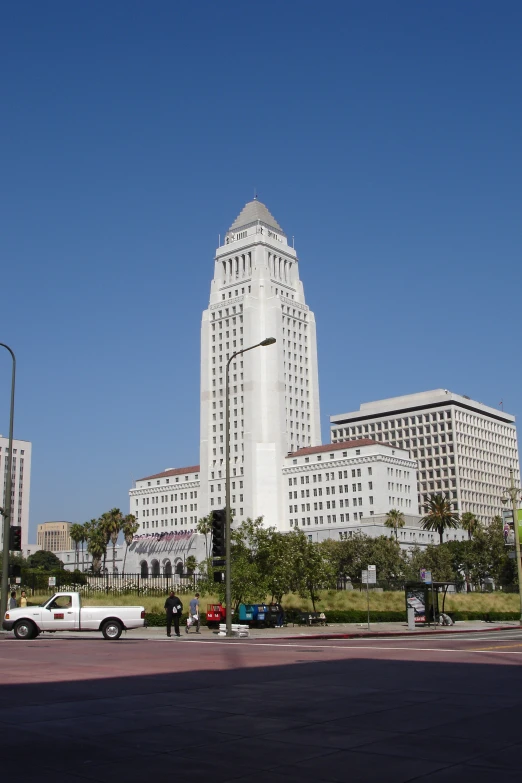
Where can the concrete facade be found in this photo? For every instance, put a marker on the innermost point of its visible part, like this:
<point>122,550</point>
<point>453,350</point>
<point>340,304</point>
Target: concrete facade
<point>21,484</point>
<point>329,486</point>
<point>463,448</point>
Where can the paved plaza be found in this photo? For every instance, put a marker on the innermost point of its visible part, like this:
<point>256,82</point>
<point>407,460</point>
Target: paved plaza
<point>436,709</point>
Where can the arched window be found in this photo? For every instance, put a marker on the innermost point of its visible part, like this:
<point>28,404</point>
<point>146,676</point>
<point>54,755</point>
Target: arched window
<point>167,569</point>
<point>144,569</point>
<point>155,568</point>
<point>179,568</point>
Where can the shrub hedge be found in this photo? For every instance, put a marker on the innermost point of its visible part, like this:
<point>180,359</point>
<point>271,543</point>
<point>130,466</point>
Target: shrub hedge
<point>157,620</point>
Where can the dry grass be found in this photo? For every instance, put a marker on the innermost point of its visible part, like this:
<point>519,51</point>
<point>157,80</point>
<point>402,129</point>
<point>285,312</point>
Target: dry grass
<point>329,600</point>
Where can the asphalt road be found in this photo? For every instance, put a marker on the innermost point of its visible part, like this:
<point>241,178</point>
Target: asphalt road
<point>434,709</point>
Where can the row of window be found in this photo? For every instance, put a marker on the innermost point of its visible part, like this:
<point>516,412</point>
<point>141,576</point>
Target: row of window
<point>343,503</point>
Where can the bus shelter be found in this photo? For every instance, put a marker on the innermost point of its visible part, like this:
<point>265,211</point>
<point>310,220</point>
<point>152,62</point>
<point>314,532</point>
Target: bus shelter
<point>427,600</point>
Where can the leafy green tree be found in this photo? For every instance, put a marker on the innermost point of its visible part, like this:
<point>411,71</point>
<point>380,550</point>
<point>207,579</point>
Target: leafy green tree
<point>129,528</point>
<point>44,561</point>
<point>440,516</point>
<point>190,564</point>
<point>394,520</point>
<point>77,534</point>
<point>469,523</point>
<point>312,570</point>
<point>435,558</point>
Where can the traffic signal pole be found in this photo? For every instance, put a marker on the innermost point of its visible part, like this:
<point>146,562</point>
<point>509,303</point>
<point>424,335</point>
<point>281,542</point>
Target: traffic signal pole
<point>6,511</point>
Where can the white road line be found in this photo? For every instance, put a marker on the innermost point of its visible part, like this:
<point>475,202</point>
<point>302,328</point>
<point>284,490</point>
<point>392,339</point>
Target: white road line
<point>358,647</point>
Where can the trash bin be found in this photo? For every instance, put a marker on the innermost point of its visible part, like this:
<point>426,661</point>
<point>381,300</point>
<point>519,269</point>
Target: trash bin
<point>247,613</point>
<point>262,614</point>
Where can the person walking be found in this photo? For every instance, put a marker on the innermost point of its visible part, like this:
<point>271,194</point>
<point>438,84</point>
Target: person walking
<point>23,599</point>
<point>12,600</point>
<point>174,608</point>
<point>193,618</point>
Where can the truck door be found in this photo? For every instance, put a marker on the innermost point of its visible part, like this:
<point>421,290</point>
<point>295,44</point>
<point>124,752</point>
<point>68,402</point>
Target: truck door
<point>59,614</point>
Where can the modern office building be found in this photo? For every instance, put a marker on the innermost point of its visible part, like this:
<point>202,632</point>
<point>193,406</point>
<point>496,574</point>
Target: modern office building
<point>21,483</point>
<point>463,448</point>
<point>54,536</point>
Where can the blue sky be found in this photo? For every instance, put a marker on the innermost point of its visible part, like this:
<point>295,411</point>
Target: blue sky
<point>384,136</point>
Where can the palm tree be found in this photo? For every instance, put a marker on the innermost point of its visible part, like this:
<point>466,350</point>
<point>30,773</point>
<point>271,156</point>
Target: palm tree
<point>129,527</point>
<point>76,534</point>
<point>394,520</point>
<point>440,516</point>
<point>110,526</point>
<point>96,545</point>
<point>88,529</point>
<point>113,527</point>
<point>204,526</point>
<point>469,523</point>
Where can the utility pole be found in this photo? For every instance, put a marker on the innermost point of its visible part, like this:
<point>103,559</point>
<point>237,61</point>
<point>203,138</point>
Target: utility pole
<point>6,511</point>
<point>513,494</point>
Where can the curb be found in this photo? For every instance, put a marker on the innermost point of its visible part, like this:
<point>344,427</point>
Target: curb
<point>401,634</point>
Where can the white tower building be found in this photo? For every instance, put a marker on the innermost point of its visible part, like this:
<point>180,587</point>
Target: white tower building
<point>274,391</point>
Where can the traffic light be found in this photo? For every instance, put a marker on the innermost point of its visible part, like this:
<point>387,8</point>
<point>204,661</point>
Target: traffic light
<point>218,532</point>
<point>15,538</point>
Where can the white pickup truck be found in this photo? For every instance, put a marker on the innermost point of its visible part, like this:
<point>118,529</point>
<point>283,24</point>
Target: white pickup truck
<point>64,612</point>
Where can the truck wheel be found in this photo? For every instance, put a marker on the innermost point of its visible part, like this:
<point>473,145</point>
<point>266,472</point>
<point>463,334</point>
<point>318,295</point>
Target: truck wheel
<point>112,629</point>
<point>24,629</point>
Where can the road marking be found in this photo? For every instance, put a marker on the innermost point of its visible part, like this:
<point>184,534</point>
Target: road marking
<point>355,648</point>
<point>497,647</point>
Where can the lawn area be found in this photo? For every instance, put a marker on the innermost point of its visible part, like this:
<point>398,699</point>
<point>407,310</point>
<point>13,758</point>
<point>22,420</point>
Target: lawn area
<point>330,600</point>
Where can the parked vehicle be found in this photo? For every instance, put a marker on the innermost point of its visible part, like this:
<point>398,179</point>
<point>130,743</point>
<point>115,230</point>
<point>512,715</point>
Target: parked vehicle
<point>64,612</point>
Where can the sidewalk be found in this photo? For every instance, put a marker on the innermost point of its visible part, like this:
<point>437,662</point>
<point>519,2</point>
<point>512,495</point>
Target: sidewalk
<point>300,632</point>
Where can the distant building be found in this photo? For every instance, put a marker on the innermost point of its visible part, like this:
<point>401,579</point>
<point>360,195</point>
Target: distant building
<point>54,536</point>
<point>21,483</point>
<point>463,449</point>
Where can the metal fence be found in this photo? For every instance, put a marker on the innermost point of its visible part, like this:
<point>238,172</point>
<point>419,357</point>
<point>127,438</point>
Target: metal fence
<point>107,584</point>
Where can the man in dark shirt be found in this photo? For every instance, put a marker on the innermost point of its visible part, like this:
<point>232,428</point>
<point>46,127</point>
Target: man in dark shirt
<point>174,608</point>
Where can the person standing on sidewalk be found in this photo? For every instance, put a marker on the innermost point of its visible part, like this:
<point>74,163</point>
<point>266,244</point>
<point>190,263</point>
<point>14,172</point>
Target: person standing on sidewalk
<point>193,618</point>
<point>12,600</point>
<point>174,608</point>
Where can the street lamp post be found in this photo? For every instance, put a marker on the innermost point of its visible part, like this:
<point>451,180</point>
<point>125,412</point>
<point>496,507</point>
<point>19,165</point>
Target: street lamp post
<point>228,564</point>
<point>6,511</point>
<point>513,494</point>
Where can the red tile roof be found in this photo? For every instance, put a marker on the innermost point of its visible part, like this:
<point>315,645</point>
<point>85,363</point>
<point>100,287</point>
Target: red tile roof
<point>346,444</point>
<point>172,472</point>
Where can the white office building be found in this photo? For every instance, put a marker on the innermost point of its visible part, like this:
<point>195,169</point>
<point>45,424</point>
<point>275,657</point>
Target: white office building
<point>20,486</point>
<point>340,483</point>
<point>463,449</point>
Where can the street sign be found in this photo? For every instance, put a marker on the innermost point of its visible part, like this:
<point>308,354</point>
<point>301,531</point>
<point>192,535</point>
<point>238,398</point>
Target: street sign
<point>18,580</point>
<point>425,576</point>
<point>52,581</point>
<point>369,576</point>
